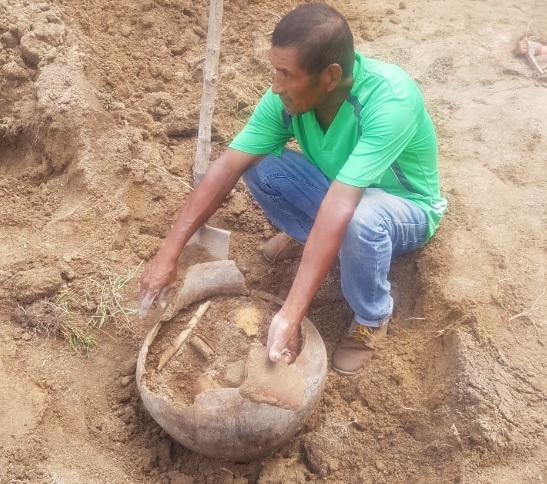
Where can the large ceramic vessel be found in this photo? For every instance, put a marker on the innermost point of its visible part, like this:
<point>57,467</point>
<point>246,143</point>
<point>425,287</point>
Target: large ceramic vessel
<point>251,421</point>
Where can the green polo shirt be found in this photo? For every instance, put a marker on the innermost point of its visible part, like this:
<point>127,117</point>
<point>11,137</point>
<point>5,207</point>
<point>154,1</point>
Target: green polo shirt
<point>381,137</point>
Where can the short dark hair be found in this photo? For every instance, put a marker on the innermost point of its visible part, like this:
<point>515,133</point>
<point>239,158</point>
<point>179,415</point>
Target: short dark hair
<point>321,36</point>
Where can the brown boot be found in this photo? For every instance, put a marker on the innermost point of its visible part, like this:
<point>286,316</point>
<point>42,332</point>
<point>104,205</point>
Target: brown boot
<point>282,247</point>
<point>355,350</point>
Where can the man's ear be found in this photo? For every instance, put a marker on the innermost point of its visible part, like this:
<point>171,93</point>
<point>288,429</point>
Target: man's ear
<point>332,76</point>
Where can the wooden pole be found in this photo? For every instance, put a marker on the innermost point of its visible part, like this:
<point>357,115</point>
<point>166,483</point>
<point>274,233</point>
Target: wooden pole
<point>210,81</point>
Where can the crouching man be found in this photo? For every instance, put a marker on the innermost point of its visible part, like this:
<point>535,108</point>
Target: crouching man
<point>364,187</point>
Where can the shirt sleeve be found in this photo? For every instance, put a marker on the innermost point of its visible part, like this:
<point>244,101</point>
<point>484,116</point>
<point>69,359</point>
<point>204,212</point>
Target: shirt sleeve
<point>387,129</point>
<point>268,129</point>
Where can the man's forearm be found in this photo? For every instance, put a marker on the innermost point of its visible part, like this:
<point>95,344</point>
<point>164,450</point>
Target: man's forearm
<point>321,249</point>
<point>203,202</point>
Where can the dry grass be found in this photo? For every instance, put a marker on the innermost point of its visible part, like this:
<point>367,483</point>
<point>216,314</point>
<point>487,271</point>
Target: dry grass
<point>43,317</point>
<point>104,304</point>
<point>110,300</point>
<point>57,318</point>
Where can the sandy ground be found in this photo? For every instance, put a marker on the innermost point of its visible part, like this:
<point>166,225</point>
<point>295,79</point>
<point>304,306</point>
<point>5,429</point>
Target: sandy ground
<point>99,103</point>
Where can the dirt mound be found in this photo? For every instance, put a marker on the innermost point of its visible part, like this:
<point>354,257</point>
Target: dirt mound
<point>98,115</point>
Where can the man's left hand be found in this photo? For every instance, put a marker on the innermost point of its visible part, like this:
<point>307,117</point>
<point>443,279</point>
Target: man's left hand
<point>283,339</point>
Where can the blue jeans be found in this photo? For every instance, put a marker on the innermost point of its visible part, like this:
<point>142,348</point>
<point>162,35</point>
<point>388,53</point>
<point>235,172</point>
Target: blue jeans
<point>290,189</point>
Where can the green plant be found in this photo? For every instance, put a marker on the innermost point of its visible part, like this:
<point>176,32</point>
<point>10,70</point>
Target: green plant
<point>72,329</point>
<point>77,340</point>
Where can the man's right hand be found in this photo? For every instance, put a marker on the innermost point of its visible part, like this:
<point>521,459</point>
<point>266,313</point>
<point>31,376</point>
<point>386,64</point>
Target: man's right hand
<point>157,279</point>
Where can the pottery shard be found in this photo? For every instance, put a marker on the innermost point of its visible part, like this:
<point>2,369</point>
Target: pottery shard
<point>205,280</point>
<point>235,374</point>
<point>277,384</point>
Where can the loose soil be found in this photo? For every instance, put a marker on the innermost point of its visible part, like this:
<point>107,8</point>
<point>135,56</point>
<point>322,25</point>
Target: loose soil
<point>99,103</point>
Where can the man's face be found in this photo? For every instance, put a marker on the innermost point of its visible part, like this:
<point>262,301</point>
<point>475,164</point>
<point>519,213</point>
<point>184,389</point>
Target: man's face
<point>298,91</point>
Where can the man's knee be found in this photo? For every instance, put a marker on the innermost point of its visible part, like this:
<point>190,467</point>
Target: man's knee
<point>364,231</point>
